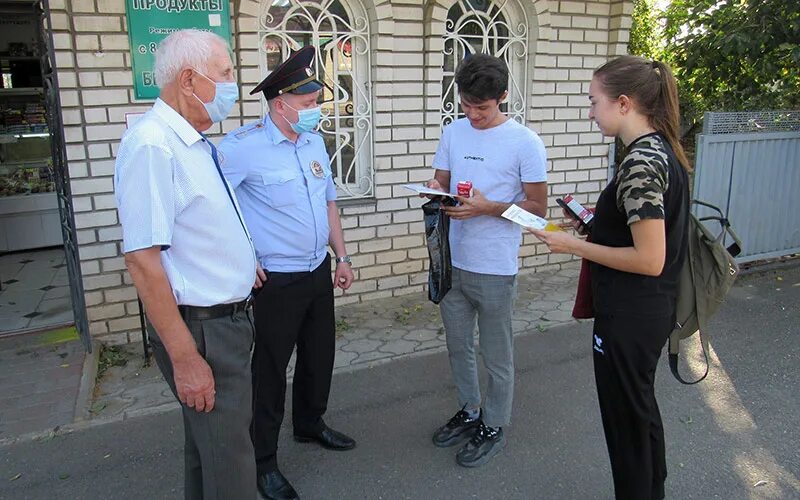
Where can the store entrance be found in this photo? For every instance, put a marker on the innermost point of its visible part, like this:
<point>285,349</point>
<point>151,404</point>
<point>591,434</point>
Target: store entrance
<point>40,284</point>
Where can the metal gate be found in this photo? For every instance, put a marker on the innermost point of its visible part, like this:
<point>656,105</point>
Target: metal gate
<point>55,125</point>
<point>748,164</point>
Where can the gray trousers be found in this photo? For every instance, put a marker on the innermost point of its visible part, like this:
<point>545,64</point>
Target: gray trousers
<point>491,298</point>
<point>218,452</point>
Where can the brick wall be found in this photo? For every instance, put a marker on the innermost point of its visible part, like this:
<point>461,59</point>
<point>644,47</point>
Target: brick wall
<point>567,40</point>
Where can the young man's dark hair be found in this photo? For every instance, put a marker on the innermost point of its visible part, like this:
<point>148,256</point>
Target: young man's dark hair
<point>482,77</point>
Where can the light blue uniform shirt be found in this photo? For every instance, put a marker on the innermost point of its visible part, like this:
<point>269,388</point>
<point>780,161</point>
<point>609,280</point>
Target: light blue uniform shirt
<point>283,189</point>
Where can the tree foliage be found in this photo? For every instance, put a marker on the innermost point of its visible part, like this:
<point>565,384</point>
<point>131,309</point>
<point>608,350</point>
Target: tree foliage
<point>645,36</point>
<point>731,55</point>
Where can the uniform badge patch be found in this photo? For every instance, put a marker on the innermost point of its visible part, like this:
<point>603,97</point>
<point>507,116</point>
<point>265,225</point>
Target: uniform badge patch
<point>316,169</point>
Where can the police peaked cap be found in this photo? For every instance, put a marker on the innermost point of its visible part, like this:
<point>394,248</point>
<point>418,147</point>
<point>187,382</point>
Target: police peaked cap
<point>294,75</point>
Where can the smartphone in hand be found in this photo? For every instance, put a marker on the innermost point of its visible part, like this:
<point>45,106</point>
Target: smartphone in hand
<point>578,212</point>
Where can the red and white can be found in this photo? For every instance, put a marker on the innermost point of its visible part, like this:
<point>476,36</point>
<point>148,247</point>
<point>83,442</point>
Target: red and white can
<point>464,189</point>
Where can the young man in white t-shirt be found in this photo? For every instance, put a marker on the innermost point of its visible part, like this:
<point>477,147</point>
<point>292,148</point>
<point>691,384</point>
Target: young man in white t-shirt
<point>506,163</point>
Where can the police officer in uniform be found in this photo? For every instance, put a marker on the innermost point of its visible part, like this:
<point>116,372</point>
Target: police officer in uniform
<point>281,172</point>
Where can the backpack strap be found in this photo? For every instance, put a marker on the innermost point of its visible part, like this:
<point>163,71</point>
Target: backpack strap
<point>674,338</point>
<point>734,248</point>
<point>673,359</point>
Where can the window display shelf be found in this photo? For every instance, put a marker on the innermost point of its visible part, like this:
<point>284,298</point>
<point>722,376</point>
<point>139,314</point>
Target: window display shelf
<point>24,91</point>
<point>23,178</point>
<point>26,203</point>
<point>19,58</point>
<point>29,221</point>
<point>33,162</point>
<point>24,135</point>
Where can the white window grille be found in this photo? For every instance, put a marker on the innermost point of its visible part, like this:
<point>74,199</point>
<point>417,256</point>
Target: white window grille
<point>499,28</point>
<point>339,31</point>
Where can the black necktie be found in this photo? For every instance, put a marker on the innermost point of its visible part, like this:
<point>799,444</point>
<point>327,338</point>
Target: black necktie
<point>224,182</point>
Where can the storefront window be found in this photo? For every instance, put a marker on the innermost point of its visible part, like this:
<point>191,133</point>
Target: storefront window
<point>38,279</point>
<point>29,215</point>
<point>339,31</point>
<point>25,166</point>
<point>486,27</point>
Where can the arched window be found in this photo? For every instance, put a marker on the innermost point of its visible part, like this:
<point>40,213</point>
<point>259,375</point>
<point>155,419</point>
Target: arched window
<point>339,30</point>
<point>499,28</point>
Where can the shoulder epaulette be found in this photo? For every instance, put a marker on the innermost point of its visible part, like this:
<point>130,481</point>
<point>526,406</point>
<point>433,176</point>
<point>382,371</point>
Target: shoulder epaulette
<point>247,131</point>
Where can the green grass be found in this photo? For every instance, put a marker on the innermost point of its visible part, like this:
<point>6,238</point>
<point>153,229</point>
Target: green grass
<point>58,336</point>
<point>110,355</point>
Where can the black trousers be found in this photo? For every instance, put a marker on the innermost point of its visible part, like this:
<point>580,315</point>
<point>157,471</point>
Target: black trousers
<point>626,352</point>
<point>291,309</point>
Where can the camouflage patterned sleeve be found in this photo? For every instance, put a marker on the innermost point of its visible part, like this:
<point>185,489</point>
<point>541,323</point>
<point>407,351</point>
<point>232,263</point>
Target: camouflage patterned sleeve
<point>641,184</point>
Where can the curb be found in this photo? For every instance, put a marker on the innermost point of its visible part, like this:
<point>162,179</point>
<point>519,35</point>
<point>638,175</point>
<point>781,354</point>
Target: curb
<point>88,383</point>
<point>764,266</point>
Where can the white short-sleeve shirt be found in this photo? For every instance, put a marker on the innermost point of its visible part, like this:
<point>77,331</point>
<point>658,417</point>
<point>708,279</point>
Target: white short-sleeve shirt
<point>497,161</point>
<point>170,194</point>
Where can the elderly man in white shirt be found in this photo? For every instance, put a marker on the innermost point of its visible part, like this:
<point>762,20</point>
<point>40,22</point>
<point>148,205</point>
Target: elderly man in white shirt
<point>192,260</point>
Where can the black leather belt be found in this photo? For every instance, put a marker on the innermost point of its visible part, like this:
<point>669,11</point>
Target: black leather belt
<point>199,313</point>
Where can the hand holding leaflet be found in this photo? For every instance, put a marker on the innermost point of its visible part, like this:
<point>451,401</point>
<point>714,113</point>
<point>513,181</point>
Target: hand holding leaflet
<point>527,219</point>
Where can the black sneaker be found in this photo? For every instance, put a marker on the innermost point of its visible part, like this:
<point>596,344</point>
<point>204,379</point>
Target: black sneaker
<point>485,443</point>
<point>457,429</point>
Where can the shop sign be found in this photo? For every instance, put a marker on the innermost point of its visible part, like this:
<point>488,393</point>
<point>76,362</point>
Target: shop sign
<point>150,21</point>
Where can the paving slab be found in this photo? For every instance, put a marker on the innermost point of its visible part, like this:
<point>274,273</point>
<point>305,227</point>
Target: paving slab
<point>40,379</point>
<point>367,333</point>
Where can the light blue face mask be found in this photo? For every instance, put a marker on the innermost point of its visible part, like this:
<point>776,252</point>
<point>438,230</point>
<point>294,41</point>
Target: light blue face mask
<point>225,96</point>
<point>307,119</point>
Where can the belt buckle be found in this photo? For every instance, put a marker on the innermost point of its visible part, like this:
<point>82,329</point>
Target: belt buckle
<point>248,302</point>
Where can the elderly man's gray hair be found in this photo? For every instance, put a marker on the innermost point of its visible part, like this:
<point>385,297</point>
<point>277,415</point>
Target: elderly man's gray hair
<point>182,49</point>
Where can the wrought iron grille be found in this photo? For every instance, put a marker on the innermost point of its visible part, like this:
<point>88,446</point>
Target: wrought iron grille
<point>715,123</point>
<point>339,31</point>
<point>499,28</point>
<point>63,191</point>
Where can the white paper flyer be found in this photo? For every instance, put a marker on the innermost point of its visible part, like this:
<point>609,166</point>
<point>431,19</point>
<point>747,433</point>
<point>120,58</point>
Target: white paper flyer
<point>423,189</point>
<point>527,219</point>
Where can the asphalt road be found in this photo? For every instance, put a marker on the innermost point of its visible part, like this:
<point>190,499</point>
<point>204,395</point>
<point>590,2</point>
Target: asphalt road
<point>734,436</point>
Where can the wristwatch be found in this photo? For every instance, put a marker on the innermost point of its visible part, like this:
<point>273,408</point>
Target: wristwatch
<point>344,258</point>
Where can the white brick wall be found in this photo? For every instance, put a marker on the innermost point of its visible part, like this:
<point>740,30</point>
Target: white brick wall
<point>568,40</point>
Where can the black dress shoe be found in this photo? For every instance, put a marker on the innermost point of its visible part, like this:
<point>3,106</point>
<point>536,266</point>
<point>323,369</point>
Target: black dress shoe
<point>328,438</point>
<point>274,486</point>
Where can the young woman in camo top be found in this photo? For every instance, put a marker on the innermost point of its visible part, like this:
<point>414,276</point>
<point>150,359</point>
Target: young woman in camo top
<point>638,245</point>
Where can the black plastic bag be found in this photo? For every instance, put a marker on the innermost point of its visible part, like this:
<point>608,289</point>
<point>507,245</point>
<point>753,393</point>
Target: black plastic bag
<point>437,229</point>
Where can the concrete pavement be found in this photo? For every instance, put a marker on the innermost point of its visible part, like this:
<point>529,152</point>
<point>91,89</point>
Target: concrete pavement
<point>732,437</point>
<point>367,334</point>
<point>41,381</point>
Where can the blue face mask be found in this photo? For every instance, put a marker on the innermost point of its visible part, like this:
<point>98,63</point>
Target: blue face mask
<point>225,96</point>
<point>307,119</point>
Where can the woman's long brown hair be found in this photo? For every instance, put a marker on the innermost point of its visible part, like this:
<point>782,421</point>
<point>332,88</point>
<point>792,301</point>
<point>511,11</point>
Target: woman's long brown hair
<point>653,90</point>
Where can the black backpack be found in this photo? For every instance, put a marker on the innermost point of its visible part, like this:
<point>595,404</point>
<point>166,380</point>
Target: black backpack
<point>706,278</point>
